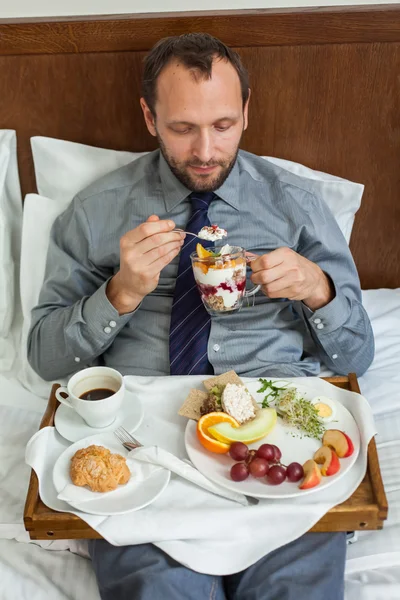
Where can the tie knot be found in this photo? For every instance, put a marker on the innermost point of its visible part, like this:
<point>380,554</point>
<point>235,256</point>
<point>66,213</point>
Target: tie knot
<point>201,200</point>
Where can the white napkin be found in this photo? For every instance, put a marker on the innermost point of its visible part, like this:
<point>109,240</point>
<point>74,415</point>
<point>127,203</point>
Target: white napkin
<point>158,456</point>
<point>203,531</point>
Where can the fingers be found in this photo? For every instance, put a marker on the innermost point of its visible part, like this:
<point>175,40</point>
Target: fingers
<point>272,259</point>
<point>159,252</point>
<point>158,240</point>
<point>150,227</point>
<point>282,288</point>
<point>267,276</point>
<point>156,267</point>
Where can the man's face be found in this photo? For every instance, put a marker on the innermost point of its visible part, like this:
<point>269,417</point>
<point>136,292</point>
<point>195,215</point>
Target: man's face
<point>199,123</point>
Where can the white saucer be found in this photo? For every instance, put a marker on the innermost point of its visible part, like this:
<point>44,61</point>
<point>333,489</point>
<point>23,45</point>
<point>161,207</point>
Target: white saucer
<point>73,428</point>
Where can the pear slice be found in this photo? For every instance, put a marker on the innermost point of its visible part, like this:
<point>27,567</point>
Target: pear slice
<point>256,429</point>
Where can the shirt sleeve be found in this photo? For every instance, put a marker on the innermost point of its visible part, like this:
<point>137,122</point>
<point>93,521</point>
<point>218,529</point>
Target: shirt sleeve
<point>74,322</point>
<point>341,329</point>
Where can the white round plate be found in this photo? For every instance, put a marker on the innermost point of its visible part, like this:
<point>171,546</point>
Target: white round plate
<point>126,498</point>
<point>294,448</point>
<point>73,428</point>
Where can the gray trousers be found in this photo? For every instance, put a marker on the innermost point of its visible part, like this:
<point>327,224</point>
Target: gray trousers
<point>310,568</point>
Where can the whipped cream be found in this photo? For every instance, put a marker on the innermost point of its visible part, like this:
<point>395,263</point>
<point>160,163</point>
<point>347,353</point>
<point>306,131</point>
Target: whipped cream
<point>212,233</point>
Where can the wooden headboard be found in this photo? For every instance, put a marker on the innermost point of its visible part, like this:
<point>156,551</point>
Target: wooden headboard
<point>325,92</point>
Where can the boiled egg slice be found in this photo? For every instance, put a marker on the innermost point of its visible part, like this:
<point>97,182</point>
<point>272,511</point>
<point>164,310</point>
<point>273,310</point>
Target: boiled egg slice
<point>327,408</point>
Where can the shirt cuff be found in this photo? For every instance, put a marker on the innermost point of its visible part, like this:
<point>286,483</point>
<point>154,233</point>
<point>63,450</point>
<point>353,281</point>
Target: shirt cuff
<point>331,316</point>
<point>101,317</point>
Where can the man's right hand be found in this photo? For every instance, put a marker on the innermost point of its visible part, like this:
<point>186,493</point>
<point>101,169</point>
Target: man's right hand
<point>144,252</point>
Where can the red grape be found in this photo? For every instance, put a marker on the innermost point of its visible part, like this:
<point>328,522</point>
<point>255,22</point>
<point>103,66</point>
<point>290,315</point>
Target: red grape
<point>239,472</point>
<point>267,452</point>
<point>258,467</point>
<point>294,472</point>
<point>278,453</point>
<point>238,451</point>
<point>251,456</point>
<point>276,474</point>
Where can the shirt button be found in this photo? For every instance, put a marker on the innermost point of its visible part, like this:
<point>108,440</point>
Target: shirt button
<point>317,321</point>
<point>107,329</point>
<point>77,359</point>
<point>112,324</point>
<point>216,347</point>
<point>320,326</point>
<point>334,356</point>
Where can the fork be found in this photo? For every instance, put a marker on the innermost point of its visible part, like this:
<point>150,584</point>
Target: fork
<point>127,439</point>
<point>131,443</point>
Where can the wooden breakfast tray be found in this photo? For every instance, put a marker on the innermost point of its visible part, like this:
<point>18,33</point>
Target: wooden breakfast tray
<point>367,508</point>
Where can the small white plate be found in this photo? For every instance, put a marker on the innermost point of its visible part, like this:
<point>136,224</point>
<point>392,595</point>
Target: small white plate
<point>73,428</point>
<point>293,447</point>
<point>132,496</point>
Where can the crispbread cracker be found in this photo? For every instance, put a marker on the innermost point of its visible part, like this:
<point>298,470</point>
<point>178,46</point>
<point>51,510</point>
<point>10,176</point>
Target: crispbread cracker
<point>192,405</point>
<point>223,379</point>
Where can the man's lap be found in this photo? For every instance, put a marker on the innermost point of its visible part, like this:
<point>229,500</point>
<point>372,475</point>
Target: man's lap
<point>310,568</point>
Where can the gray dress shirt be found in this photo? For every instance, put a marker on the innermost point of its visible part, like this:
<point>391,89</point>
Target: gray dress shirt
<point>263,207</point>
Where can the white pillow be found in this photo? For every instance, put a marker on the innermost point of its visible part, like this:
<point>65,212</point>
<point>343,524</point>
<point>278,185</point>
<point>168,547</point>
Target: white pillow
<point>38,217</point>
<point>64,168</point>
<point>10,240</point>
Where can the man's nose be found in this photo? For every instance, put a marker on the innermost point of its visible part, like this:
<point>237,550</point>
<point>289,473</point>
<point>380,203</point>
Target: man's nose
<point>203,147</point>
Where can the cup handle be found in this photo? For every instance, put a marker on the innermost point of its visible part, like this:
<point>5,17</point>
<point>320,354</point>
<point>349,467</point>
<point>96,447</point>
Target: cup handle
<point>249,257</point>
<point>65,401</point>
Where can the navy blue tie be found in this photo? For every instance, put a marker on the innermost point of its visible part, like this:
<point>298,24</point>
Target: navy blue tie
<point>190,322</point>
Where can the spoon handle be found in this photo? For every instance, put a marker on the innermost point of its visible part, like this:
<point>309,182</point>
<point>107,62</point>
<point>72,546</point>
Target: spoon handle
<point>187,232</point>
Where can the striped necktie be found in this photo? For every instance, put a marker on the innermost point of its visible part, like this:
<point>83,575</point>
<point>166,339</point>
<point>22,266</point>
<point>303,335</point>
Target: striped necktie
<point>190,322</point>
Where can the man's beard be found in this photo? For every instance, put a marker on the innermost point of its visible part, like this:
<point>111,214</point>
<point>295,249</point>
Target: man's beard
<point>209,184</point>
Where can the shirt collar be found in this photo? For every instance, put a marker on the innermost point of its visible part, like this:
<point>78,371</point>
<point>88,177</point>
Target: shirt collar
<point>175,192</point>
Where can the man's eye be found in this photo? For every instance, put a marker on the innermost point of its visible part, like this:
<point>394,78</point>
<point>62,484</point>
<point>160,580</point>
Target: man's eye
<point>183,131</point>
<point>225,128</point>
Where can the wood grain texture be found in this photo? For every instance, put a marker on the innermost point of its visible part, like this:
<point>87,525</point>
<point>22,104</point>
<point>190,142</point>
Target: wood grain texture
<point>366,509</point>
<point>140,31</point>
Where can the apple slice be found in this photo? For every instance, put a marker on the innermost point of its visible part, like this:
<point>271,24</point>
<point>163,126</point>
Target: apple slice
<point>337,440</point>
<point>312,475</point>
<point>328,458</point>
<point>351,445</point>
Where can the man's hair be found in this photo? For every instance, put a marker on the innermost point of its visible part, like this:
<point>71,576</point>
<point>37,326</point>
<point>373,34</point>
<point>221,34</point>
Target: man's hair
<point>196,51</point>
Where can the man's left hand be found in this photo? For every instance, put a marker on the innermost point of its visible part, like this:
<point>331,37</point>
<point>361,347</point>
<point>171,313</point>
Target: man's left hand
<point>285,274</point>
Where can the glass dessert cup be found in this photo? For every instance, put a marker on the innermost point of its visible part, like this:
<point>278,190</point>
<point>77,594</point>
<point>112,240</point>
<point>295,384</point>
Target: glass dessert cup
<point>221,280</point>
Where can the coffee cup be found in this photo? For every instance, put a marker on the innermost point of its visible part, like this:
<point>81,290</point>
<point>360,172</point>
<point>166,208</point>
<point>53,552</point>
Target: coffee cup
<point>96,394</point>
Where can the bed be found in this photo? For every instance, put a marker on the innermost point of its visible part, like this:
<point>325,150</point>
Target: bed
<point>325,94</point>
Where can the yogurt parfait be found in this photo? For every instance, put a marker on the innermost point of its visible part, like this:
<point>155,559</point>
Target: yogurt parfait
<point>220,275</point>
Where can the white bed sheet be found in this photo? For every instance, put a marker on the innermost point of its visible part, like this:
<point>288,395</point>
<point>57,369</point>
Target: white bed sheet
<point>28,572</point>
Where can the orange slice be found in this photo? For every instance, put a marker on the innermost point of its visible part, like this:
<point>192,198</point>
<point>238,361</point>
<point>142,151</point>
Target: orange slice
<point>209,442</point>
<point>202,252</point>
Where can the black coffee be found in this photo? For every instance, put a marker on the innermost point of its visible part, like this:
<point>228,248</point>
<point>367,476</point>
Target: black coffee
<point>98,394</point>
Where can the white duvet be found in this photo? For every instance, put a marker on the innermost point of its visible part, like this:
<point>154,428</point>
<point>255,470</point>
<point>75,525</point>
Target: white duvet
<point>31,571</point>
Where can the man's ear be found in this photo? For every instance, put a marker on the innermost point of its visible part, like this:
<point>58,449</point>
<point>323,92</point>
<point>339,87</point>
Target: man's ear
<point>148,117</point>
<point>246,112</point>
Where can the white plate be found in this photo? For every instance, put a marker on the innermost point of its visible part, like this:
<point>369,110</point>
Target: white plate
<point>294,449</point>
<point>73,428</point>
<point>126,498</point>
